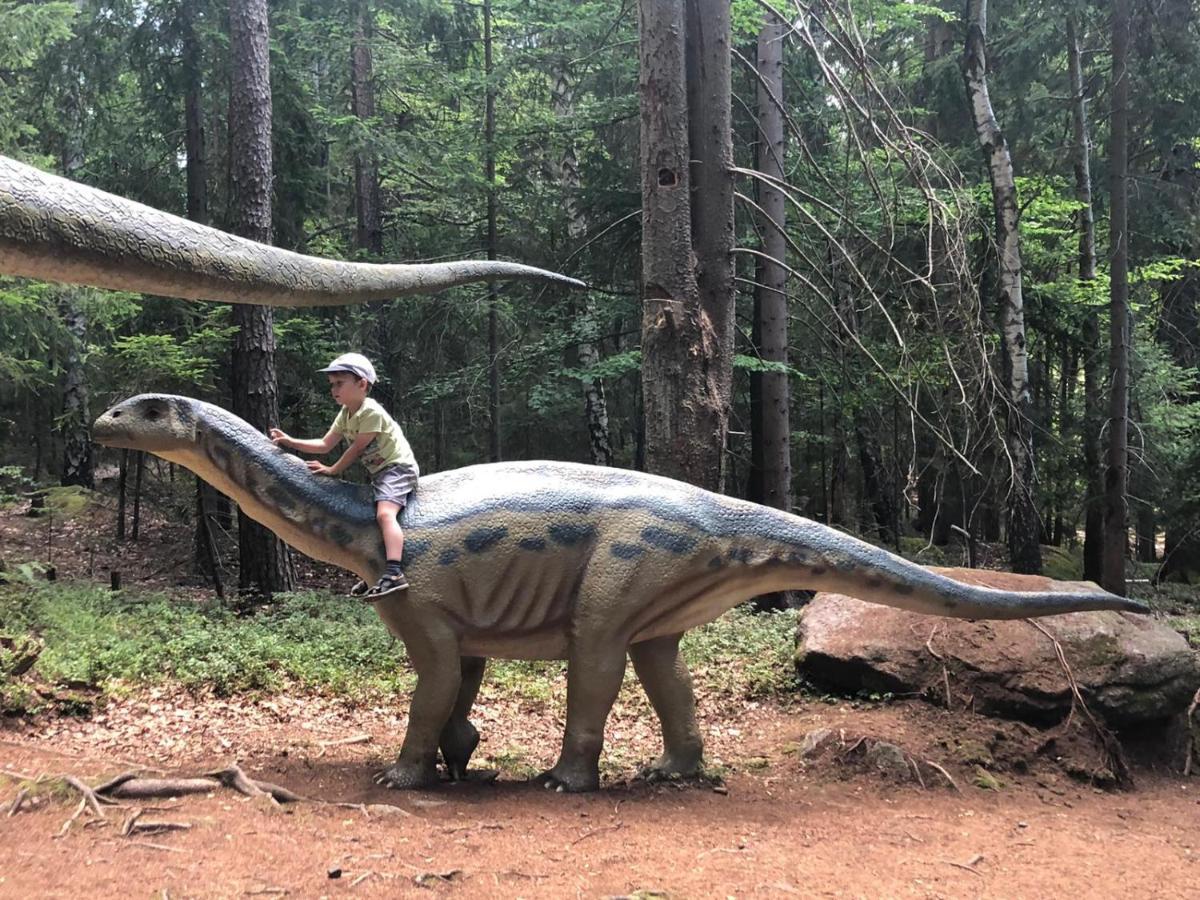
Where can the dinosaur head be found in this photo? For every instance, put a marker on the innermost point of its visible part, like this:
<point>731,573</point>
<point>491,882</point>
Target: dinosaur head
<point>155,422</point>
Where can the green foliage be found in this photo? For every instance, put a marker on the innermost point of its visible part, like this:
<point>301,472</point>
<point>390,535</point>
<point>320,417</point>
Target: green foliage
<point>744,654</point>
<point>97,637</point>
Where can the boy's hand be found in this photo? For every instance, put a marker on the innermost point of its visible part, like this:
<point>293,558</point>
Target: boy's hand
<point>279,438</point>
<point>319,468</point>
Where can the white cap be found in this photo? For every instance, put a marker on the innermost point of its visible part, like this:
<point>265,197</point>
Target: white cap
<point>355,363</point>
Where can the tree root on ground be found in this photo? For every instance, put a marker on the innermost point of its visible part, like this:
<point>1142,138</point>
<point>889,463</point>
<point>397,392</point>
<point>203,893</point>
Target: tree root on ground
<point>1114,755</point>
<point>130,786</point>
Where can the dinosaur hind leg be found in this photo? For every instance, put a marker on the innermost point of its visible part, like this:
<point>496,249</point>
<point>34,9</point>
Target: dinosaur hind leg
<point>668,684</point>
<point>459,738</point>
<point>595,667</point>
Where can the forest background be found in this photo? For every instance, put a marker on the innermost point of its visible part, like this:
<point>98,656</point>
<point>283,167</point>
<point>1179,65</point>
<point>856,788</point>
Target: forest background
<point>898,409</point>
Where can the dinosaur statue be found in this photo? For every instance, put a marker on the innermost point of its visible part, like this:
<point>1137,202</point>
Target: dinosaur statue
<point>550,560</point>
<point>527,560</point>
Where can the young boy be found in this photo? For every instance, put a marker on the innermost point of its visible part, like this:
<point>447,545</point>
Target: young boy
<point>374,437</point>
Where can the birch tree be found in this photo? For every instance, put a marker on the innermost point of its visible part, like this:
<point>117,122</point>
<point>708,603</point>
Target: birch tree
<point>1023,523</point>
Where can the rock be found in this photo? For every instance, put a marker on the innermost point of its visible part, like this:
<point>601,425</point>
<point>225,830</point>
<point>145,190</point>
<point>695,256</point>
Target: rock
<point>889,760</point>
<point>1131,669</point>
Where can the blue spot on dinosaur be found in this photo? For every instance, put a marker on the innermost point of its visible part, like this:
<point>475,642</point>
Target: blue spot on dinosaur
<point>484,538</point>
<point>448,557</point>
<point>536,544</point>
<point>674,541</point>
<point>627,551</point>
<point>414,550</point>
<point>570,534</point>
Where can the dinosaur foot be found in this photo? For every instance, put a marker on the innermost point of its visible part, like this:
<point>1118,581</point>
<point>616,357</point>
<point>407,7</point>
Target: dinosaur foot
<point>673,768</point>
<point>471,776</point>
<point>569,781</point>
<point>408,777</point>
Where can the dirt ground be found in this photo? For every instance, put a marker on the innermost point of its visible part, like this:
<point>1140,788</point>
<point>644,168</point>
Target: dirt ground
<point>778,826</point>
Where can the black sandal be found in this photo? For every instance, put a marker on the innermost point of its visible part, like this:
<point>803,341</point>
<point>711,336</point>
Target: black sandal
<point>388,584</point>
<point>359,589</point>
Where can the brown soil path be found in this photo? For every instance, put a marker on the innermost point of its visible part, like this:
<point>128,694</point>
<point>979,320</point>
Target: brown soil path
<point>784,828</point>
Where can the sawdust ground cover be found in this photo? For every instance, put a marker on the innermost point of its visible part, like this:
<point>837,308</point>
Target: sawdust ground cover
<point>311,694</point>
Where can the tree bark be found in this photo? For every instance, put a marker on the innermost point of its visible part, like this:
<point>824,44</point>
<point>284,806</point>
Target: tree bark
<point>1093,534</point>
<point>367,204</point>
<point>770,408</point>
<point>595,405</point>
<point>264,563</point>
<point>77,466</point>
<point>1116,475</point>
<point>193,115</point>
<point>686,343</point>
<point>489,140</point>
<point>710,137</point>
<point>1023,522</point>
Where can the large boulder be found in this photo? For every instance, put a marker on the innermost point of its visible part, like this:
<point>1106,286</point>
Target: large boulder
<point>1130,668</point>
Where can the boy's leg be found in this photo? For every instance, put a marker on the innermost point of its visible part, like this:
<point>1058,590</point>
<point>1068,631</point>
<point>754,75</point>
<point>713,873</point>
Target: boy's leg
<point>386,513</point>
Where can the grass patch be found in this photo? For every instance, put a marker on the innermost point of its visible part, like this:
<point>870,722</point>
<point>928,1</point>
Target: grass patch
<point>744,653</point>
<point>315,641</point>
<point>97,638</point>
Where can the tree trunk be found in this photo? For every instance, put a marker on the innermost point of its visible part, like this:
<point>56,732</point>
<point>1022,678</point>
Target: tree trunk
<point>139,469</point>
<point>77,440</point>
<point>594,403</point>
<point>193,116</point>
<point>122,492</point>
<point>686,346</point>
<point>197,211</point>
<point>1116,475</point>
<point>264,563</point>
<point>770,425</point>
<point>367,203</point>
<point>1023,523</point>
<point>710,136</point>
<point>1093,534</point>
<point>489,140</point>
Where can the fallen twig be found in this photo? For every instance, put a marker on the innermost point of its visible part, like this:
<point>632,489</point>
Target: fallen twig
<point>944,774</point>
<point>342,742</point>
<point>616,826</point>
<point>154,846</point>
<point>963,866</point>
<point>19,800</point>
<point>134,824</point>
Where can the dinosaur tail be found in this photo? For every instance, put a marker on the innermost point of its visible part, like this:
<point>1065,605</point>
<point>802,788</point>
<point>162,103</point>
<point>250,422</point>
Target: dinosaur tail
<point>928,592</point>
<point>60,230</point>
<point>818,557</point>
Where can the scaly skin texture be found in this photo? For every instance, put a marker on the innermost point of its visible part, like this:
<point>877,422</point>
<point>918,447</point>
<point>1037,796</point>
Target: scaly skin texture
<point>548,560</point>
<point>60,230</point>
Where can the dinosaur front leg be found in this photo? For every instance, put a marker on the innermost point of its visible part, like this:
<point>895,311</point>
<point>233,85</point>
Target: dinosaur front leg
<point>668,684</point>
<point>595,667</point>
<point>460,738</point>
<point>433,647</point>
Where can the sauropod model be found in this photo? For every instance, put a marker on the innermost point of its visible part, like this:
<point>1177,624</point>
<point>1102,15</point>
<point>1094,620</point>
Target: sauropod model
<point>551,560</point>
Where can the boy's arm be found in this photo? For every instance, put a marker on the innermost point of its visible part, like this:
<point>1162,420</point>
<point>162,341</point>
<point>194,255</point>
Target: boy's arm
<point>353,452</point>
<point>317,445</point>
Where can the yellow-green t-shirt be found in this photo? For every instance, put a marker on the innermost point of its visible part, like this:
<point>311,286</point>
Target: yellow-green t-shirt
<point>390,447</point>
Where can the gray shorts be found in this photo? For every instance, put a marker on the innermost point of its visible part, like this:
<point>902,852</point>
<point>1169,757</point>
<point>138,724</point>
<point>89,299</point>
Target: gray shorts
<point>394,484</point>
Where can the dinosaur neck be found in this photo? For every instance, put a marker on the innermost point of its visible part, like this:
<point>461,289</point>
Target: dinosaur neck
<point>324,518</point>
